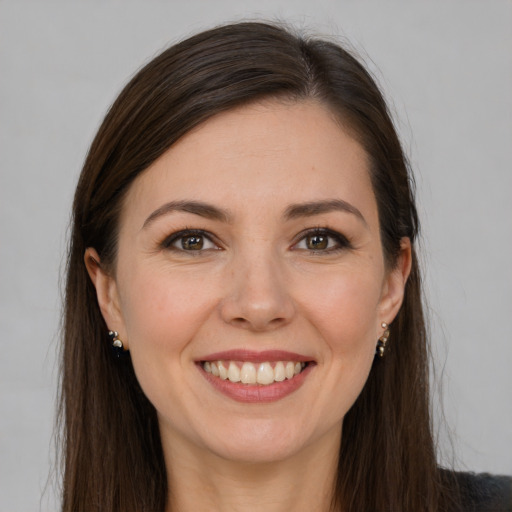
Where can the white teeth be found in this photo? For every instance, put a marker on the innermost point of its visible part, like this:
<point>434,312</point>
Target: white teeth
<point>233,372</point>
<point>279,374</point>
<point>265,374</point>
<point>223,373</point>
<point>289,370</point>
<point>249,373</point>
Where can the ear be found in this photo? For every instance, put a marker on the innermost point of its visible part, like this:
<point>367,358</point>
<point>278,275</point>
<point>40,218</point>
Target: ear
<point>106,292</point>
<point>393,288</point>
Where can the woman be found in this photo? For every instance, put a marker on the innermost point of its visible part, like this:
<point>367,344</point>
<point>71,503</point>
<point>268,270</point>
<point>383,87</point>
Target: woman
<point>244,241</point>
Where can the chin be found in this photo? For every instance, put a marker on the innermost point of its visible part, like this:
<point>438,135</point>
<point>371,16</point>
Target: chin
<point>251,453</point>
<point>261,442</point>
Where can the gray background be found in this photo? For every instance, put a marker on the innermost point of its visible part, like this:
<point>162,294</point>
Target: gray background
<point>447,67</point>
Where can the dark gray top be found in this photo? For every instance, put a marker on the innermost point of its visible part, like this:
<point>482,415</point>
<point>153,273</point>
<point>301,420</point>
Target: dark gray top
<point>485,493</point>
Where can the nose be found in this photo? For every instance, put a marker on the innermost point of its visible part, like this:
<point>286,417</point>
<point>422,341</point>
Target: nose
<point>256,294</point>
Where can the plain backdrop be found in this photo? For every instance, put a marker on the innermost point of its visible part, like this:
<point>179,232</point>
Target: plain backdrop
<point>445,66</point>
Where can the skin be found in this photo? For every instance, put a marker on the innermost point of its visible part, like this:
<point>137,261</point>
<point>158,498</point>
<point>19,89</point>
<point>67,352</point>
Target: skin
<point>255,285</point>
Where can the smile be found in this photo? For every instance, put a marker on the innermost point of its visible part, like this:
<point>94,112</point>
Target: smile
<point>246,372</point>
<point>256,377</point>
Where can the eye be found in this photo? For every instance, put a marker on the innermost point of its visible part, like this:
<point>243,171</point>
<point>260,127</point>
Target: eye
<point>190,241</point>
<point>322,240</point>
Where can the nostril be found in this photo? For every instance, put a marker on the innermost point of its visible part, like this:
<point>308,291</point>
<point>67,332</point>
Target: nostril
<point>258,324</point>
<point>277,321</point>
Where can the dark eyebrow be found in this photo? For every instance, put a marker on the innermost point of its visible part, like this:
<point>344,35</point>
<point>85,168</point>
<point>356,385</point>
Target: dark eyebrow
<point>195,207</point>
<point>317,207</point>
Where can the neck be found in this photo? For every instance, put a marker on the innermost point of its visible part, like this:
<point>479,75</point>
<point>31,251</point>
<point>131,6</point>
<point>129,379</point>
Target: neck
<point>200,480</point>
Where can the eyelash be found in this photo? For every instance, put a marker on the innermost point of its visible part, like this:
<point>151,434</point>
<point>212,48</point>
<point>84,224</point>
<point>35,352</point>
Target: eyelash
<point>184,233</point>
<point>341,242</point>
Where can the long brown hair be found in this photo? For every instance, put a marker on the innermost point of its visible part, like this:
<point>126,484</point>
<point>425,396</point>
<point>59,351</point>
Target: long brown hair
<point>112,456</point>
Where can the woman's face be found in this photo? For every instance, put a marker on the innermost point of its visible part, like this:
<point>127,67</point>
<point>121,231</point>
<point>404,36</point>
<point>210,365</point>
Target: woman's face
<point>253,241</point>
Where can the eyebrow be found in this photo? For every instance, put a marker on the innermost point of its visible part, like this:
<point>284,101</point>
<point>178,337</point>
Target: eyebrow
<point>196,207</point>
<point>293,211</point>
<point>318,207</point>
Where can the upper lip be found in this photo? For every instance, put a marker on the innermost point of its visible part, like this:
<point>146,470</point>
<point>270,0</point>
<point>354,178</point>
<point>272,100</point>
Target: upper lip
<point>252,356</point>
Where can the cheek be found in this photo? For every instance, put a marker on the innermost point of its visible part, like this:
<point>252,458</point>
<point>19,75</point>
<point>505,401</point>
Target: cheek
<point>162,313</point>
<point>344,306</point>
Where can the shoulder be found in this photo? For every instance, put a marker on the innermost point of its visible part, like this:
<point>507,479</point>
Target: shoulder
<point>483,492</point>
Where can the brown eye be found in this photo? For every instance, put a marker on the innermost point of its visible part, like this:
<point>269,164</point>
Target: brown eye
<point>192,243</point>
<point>322,241</point>
<point>317,242</point>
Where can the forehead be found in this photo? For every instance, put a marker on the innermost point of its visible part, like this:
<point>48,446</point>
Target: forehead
<point>272,153</point>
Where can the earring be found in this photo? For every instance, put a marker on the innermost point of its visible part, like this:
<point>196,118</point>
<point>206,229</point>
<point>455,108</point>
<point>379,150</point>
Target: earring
<point>381,344</point>
<point>116,344</point>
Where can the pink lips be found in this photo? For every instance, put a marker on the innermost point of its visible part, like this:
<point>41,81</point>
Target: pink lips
<point>256,357</point>
<point>249,393</point>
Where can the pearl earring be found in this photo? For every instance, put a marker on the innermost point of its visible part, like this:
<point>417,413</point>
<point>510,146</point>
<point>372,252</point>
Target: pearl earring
<point>116,344</point>
<point>381,343</point>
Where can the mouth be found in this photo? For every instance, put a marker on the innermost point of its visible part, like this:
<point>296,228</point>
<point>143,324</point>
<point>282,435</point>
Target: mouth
<point>246,372</point>
<point>256,377</point>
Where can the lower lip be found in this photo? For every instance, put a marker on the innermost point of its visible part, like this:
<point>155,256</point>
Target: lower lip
<point>257,393</point>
